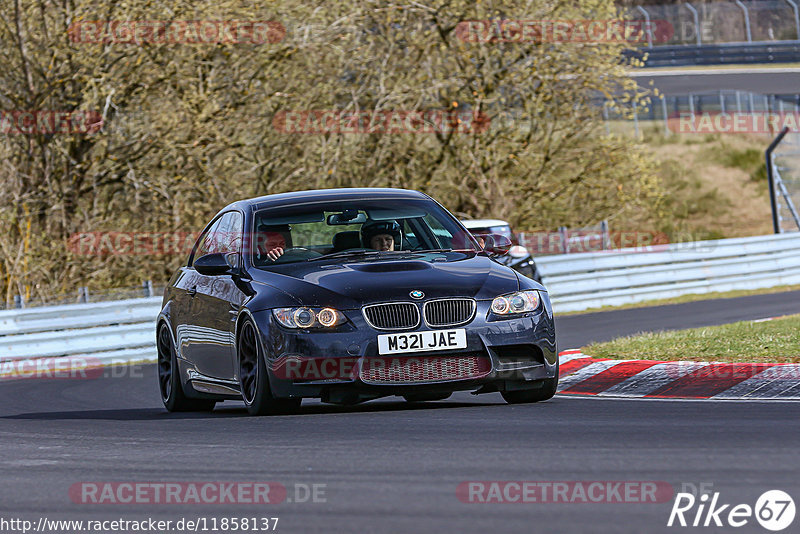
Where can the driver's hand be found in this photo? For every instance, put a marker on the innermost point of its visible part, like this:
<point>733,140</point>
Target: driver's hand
<point>275,253</point>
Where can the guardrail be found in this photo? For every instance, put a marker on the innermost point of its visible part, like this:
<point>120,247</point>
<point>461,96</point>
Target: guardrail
<point>582,281</point>
<point>719,54</point>
<point>124,331</point>
<point>92,334</point>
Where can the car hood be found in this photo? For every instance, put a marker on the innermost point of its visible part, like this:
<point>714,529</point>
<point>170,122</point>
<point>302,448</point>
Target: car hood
<point>350,284</point>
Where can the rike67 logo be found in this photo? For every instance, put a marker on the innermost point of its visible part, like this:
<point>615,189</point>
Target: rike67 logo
<point>774,510</point>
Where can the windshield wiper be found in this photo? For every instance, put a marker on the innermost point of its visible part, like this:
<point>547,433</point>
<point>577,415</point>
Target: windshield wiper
<point>345,254</point>
<point>431,250</point>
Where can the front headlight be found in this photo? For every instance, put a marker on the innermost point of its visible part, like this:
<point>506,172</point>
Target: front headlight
<point>518,302</point>
<point>308,317</point>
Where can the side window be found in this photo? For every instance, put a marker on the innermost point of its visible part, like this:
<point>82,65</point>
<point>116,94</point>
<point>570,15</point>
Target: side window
<point>442,234</point>
<point>207,242</point>
<point>224,236</point>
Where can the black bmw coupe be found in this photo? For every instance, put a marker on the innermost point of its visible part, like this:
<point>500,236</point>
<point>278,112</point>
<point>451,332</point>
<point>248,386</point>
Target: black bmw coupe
<point>349,295</point>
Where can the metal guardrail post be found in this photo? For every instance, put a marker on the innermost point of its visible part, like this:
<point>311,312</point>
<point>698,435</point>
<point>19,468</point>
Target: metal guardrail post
<point>721,102</point>
<point>796,16</point>
<point>19,302</point>
<point>147,286</point>
<point>771,179</point>
<point>666,115</point>
<point>564,233</point>
<point>606,240</point>
<point>83,294</point>
<point>696,22</point>
<point>649,28</point>
<point>746,20</point>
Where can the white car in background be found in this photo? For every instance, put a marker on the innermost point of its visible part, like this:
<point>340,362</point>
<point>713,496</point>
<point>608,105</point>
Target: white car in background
<point>518,258</point>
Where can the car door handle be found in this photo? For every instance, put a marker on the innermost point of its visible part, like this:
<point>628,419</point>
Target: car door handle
<point>192,292</point>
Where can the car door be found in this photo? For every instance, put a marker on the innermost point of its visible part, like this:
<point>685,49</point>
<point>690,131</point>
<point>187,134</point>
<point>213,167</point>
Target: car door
<point>215,305</point>
<point>183,292</point>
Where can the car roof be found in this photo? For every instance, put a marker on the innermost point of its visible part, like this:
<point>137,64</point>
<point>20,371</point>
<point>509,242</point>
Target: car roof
<point>326,195</point>
<point>483,223</point>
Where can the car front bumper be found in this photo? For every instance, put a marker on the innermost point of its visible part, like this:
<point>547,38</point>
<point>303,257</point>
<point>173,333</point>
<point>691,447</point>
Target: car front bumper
<point>501,355</point>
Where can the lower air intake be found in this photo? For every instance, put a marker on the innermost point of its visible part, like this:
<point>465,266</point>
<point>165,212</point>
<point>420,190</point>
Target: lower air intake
<point>409,370</point>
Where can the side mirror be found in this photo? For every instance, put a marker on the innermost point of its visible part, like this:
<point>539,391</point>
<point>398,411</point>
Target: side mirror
<point>216,264</point>
<point>495,244</point>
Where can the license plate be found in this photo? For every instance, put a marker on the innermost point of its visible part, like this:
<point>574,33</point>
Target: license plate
<point>422,341</point>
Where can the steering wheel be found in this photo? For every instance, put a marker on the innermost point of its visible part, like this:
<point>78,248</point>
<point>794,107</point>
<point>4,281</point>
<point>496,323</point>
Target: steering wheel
<point>300,253</point>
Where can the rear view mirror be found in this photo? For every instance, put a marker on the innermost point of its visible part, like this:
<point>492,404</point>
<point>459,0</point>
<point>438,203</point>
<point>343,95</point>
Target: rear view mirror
<point>495,244</point>
<point>347,217</point>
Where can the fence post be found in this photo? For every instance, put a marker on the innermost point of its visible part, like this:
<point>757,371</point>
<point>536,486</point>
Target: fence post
<point>83,294</point>
<point>649,29</point>
<point>606,237</point>
<point>19,302</point>
<point>796,16</point>
<point>666,115</point>
<point>771,179</point>
<point>147,286</point>
<point>746,20</point>
<point>721,102</point>
<point>696,22</point>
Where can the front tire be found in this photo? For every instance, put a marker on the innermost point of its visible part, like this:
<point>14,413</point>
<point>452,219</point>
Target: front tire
<point>543,393</point>
<point>253,377</point>
<point>169,380</point>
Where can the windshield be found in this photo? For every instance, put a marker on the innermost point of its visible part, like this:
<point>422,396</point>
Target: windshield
<point>350,228</point>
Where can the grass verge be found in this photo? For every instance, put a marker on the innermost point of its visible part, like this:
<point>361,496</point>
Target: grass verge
<point>775,341</point>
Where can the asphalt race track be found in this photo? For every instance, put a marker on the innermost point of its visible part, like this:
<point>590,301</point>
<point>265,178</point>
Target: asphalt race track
<point>671,81</point>
<point>388,466</point>
<point>575,331</point>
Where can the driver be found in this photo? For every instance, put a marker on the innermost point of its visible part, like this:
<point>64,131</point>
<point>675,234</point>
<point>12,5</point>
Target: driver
<point>381,235</point>
<point>272,242</point>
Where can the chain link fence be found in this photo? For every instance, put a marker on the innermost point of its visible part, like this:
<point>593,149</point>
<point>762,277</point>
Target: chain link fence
<point>695,23</point>
<point>667,111</point>
<point>785,162</point>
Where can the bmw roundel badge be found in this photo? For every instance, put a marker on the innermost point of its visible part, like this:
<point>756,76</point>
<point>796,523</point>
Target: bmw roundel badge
<point>416,294</point>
